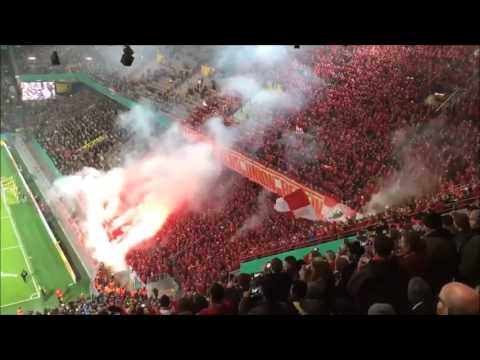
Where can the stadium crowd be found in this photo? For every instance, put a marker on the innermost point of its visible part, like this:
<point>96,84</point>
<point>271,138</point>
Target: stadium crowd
<point>356,133</point>
<point>412,83</point>
<point>403,257</point>
<point>78,130</point>
<point>422,269</point>
<point>158,79</point>
<point>429,93</point>
<point>10,98</point>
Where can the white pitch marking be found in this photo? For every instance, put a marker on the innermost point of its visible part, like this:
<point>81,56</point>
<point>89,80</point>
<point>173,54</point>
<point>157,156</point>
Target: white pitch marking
<point>19,239</point>
<point>9,248</point>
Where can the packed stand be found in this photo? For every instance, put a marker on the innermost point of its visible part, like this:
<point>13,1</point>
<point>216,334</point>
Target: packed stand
<point>422,269</point>
<point>223,239</point>
<point>79,130</point>
<point>220,234</point>
<point>160,80</point>
<point>198,249</point>
<point>10,98</point>
<point>421,121</point>
<point>358,136</point>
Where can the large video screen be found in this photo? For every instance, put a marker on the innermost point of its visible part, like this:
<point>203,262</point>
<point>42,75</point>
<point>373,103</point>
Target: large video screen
<point>39,90</point>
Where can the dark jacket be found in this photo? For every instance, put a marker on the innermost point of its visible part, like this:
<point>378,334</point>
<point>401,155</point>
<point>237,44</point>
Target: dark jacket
<point>415,264</point>
<point>233,296</point>
<point>293,273</point>
<point>272,308</point>
<point>461,238</point>
<point>281,282</point>
<point>343,279</point>
<point>442,258</point>
<point>423,308</point>
<point>309,307</point>
<point>469,267</point>
<point>380,281</point>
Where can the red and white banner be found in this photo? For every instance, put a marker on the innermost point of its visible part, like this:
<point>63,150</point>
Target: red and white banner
<point>298,204</point>
<point>326,208</point>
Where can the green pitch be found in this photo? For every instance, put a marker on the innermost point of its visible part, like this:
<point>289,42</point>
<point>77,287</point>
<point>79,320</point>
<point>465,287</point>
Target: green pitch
<point>13,261</point>
<point>25,244</point>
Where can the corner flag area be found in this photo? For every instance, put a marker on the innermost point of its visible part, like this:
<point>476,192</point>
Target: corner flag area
<point>26,245</point>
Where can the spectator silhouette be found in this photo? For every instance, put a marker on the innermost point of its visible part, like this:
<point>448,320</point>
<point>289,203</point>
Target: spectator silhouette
<point>420,297</point>
<point>381,280</point>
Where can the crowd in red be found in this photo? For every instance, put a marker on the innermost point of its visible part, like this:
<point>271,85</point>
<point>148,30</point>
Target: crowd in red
<point>371,121</point>
<point>358,101</point>
<point>386,270</point>
<point>368,95</point>
<point>198,249</point>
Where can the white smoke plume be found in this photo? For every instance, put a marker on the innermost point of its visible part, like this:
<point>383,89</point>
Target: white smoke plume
<point>253,74</point>
<point>263,208</point>
<point>414,178</point>
<point>244,57</point>
<point>412,181</point>
<point>300,147</point>
<point>223,135</point>
<point>258,102</point>
<point>126,206</point>
<point>140,120</point>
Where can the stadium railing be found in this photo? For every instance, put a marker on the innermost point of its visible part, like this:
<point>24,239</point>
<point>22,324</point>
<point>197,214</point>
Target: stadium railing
<point>354,229</point>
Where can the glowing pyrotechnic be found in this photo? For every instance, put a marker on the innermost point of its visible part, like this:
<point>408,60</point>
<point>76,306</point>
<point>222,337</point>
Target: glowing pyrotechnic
<point>125,207</point>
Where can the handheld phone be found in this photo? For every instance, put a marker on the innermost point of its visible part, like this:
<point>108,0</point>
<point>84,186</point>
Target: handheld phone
<point>255,291</point>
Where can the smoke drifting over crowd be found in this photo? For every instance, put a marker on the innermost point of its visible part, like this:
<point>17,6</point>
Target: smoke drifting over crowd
<point>244,57</point>
<point>415,176</point>
<point>256,219</point>
<point>126,206</point>
<point>251,75</point>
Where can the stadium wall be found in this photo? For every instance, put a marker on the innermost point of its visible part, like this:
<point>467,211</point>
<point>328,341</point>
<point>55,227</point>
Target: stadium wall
<point>257,265</point>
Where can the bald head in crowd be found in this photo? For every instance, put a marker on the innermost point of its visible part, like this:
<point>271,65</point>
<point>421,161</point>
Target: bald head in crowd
<point>458,299</point>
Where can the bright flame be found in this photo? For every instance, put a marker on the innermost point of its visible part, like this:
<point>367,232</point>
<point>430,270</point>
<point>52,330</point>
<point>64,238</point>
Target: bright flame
<point>124,207</point>
<point>113,225</point>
